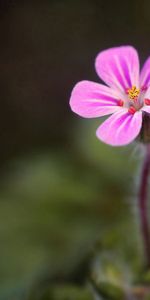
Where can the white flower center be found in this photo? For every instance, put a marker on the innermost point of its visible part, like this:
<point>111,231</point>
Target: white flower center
<point>134,99</point>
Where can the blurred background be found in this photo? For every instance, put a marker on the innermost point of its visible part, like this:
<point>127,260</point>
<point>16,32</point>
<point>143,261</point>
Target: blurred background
<point>64,196</point>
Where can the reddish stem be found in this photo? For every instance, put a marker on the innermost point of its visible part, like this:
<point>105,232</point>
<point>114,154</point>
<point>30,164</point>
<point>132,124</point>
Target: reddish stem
<point>143,204</point>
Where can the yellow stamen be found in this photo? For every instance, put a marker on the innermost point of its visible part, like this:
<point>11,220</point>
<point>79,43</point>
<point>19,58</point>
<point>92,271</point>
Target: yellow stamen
<point>133,92</point>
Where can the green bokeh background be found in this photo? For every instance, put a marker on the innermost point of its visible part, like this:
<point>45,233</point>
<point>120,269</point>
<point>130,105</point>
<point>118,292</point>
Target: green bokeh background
<point>63,193</point>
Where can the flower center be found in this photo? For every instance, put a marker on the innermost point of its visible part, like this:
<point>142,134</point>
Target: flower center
<point>135,99</point>
<point>133,93</point>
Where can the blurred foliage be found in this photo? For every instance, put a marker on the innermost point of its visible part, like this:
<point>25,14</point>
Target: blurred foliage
<point>60,210</point>
<point>64,292</point>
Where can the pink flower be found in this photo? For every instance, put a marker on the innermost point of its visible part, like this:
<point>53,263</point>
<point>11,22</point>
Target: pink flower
<point>127,96</point>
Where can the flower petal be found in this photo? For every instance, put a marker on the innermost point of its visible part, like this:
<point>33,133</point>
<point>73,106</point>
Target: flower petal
<point>90,100</point>
<point>146,108</point>
<point>145,74</point>
<point>119,67</point>
<point>120,129</point>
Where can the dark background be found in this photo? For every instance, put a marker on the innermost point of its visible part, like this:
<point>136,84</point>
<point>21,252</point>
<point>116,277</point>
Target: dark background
<point>46,47</point>
<point>60,189</point>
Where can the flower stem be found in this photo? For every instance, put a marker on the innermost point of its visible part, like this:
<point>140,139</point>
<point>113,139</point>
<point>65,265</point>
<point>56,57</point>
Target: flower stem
<point>143,191</point>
